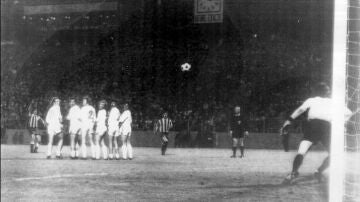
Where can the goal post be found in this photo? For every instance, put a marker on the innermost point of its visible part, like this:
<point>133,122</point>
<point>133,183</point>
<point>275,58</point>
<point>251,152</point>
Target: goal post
<point>336,186</point>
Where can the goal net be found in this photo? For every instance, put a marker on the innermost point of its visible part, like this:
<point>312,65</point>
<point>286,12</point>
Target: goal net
<point>352,129</point>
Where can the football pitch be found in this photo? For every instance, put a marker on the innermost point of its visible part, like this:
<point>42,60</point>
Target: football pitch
<point>181,175</point>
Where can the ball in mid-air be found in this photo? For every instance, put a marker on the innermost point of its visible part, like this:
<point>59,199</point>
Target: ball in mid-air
<point>185,67</point>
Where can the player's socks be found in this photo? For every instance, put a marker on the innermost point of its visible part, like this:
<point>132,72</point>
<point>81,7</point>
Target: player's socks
<point>93,151</point>
<point>297,163</point>
<point>104,151</point>
<point>31,148</point>
<point>124,151</point>
<point>49,150</point>
<point>242,151</point>
<point>163,149</point>
<point>117,156</point>
<point>72,154</point>
<point>111,156</point>
<point>36,147</point>
<point>234,152</point>
<point>76,152</point>
<point>130,150</point>
<point>97,151</point>
<point>324,165</point>
<point>83,151</point>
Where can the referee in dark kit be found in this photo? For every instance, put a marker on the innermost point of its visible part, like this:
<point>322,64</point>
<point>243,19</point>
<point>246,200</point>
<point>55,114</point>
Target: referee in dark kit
<point>163,126</point>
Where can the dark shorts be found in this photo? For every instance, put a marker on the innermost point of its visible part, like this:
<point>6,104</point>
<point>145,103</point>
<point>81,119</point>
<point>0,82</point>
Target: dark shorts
<point>238,135</point>
<point>34,131</point>
<point>317,131</point>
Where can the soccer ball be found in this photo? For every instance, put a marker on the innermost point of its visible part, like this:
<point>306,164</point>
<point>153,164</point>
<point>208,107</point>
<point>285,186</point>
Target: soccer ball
<point>185,67</point>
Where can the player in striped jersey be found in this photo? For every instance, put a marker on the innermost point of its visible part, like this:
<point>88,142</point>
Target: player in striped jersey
<point>100,131</point>
<point>163,126</point>
<point>113,130</point>
<point>74,128</point>
<point>34,130</point>
<point>316,128</point>
<point>54,127</point>
<point>87,117</point>
<point>125,121</point>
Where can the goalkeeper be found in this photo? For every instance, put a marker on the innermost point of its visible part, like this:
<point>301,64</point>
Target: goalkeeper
<point>316,128</point>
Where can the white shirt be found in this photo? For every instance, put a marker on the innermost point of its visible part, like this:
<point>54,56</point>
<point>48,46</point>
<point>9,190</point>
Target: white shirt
<point>101,117</point>
<point>319,108</point>
<point>87,114</point>
<point>126,119</point>
<point>114,116</point>
<point>74,115</point>
<point>54,117</point>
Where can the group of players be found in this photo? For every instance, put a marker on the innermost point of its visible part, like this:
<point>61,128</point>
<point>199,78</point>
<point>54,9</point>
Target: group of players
<point>85,124</point>
<point>84,120</point>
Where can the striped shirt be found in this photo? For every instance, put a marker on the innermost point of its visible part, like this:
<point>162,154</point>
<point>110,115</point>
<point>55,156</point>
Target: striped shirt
<point>164,125</point>
<point>34,121</point>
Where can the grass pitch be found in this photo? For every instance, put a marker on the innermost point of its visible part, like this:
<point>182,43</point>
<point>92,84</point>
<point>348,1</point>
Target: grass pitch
<point>181,175</point>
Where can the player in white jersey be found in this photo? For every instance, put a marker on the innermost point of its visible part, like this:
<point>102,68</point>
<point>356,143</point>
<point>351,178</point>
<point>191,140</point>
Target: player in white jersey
<point>316,128</point>
<point>54,127</point>
<point>100,131</point>
<point>113,131</point>
<point>74,128</point>
<point>125,131</point>
<point>87,116</point>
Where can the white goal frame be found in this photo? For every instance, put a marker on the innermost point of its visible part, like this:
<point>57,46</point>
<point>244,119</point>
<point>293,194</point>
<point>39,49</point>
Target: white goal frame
<point>336,182</point>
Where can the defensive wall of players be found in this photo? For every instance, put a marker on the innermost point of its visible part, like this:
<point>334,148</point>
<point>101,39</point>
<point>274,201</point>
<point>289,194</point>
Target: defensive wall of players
<point>149,139</point>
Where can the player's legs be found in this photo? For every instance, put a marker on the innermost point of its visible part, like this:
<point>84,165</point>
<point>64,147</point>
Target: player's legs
<point>32,140</point>
<point>103,147</point>
<point>303,149</point>
<point>72,145</point>
<point>111,140</point>
<point>50,143</point>
<point>77,144</point>
<point>129,147</point>
<point>37,140</point>
<point>242,146</point>
<point>83,142</point>
<point>127,150</point>
<point>164,142</point>
<point>124,146</point>
<point>59,145</point>
<point>116,146</point>
<point>235,142</point>
<point>92,144</point>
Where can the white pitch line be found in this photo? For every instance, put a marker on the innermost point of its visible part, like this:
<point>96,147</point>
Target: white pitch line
<point>58,176</point>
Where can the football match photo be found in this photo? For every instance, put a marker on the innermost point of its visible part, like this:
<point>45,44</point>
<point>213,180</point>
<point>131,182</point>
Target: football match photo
<point>180,100</point>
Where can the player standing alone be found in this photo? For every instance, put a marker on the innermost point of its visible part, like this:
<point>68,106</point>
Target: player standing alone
<point>74,118</point>
<point>163,126</point>
<point>125,131</point>
<point>34,130</point>
<point>54,127</point>
<point>316,128</point>
<point>238,131</point>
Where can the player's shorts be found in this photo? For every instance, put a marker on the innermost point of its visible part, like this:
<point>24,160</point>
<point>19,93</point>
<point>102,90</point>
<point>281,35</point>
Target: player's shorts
<point>316,130</point>
<point>101,129</point>
<point>34,131</point>
<point>237,135</point>
<point>125,131</point>
<point>164,137</point>
<point>113,130</point>
<point>53,130</point>
<point>74,129</point>
<point>87,127</point>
